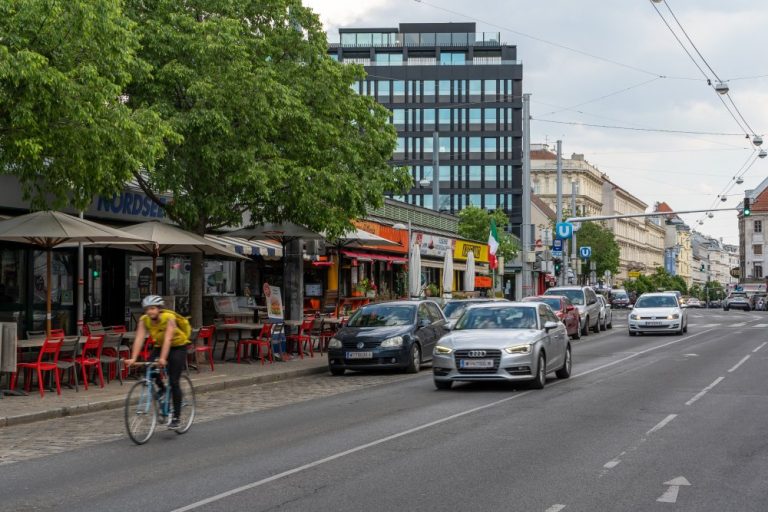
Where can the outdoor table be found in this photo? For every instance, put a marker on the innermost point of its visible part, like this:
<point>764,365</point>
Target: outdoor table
<point>38,342</point>
<point>240,328</point>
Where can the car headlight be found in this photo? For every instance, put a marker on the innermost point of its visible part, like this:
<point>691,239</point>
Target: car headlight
<point>673,317</point>
<point>443,350</point>
<point>518,349</point>
<point>396,341</point>
<point>334,343</point>
<point>634,317</point>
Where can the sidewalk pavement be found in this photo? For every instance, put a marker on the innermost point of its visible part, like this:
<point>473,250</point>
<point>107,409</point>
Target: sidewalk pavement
<point>27,409</point>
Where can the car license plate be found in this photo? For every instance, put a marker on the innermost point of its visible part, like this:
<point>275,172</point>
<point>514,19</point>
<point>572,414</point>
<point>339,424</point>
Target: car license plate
<point>653,324</point>
<point>476,363</point>
<point>359,355</point>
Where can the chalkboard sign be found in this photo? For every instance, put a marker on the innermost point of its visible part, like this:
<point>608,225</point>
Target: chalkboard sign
<point>313,290</point>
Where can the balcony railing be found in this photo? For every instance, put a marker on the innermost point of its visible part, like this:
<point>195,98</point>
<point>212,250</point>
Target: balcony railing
<point>418,40</point>
<point>432,62</point>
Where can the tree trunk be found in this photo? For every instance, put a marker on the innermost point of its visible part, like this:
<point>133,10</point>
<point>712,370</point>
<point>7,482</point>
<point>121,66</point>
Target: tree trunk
<point>196,290</point>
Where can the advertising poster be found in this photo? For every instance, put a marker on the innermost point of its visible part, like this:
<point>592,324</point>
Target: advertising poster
<point>274,301</point>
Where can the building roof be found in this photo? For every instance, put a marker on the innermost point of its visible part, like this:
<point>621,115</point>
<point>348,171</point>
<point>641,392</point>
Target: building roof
<point>543,207</point>
<point>542,154</point>
<point>760,203</point>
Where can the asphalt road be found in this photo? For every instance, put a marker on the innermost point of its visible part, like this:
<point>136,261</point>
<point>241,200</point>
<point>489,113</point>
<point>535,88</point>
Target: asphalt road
<point>645,423</point>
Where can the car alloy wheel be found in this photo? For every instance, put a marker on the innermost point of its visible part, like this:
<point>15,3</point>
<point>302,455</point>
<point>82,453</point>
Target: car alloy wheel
<point>415,360</point>
<point>541,373</point>
<point>565,371</point>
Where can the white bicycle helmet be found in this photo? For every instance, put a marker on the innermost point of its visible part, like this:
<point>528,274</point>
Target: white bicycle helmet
<point>152,300</point>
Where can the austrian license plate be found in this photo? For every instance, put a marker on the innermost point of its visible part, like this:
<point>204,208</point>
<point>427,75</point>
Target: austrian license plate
<point>476,363</point>
<point>653,324</point>
<point>359,355</point>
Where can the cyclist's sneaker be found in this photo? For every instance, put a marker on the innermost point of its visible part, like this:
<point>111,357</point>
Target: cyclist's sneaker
<point>174,424</point>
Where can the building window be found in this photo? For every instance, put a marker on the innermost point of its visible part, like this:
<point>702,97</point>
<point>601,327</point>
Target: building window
<point>452,58</point>
<point>427,198</point>
<point>12,277</point>
<point>445,173</point>
<point>475,87</point>
<point>388,59</point>
<point>426,173</point>
<point>443,39</point>
<point>400,148</point>
<point>445,88</point>
<point>474,200</point>
<point>757,249</point>
<point>429,87</point>
<point>444,144</point>
<point>475,173</point>
<point>474,144</point>
<point>429,116</point>
<point>384,87</point>
<point>490,144</point>
<point>491,202</point>
<point>757,226</point>
<point>490,87</point>
<point>490,118</point>
<point>398,116</point>
<point>758,272</point>
<point>460,87</point>
<point>445,202</point>
<point>445,117</point>
<point>491,173</point>
<point>348,39</point>
<point>475,116</point>
<point>398,88</point>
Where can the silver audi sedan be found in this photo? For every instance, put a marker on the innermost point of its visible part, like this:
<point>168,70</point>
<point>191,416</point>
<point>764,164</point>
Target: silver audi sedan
<point>514,341</point>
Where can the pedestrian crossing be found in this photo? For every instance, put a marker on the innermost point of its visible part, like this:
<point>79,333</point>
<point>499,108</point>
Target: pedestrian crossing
<point>741,324</point>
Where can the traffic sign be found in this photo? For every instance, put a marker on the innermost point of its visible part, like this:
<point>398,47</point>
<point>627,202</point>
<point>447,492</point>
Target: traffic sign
<point>557,248</point>
<point>634,274</point>
<point>585,252</point>
<point>564,230</point>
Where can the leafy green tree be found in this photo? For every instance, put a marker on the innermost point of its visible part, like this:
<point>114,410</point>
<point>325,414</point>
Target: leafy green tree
<point>65,129</point>
<point>605,250</point>
<point>268,122</point>
<point>475,224</point>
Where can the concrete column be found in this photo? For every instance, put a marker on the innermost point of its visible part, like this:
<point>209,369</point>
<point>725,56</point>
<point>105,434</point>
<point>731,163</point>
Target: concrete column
<point>293,280</point>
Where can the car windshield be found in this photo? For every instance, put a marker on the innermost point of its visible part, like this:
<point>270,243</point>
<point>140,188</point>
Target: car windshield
<point>658,301</point>
<point>383,316</point>
<point>507,317</point>
<point>738,296</point>
<point>576,296</point>
<point>620,295</point>
<point>551,302</point>
<point>453,310</point>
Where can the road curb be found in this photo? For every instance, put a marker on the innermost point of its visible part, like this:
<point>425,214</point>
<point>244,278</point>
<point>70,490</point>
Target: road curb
<point>116,403</point>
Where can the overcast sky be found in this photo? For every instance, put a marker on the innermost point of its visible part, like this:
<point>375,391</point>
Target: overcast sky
<point>686,171</point>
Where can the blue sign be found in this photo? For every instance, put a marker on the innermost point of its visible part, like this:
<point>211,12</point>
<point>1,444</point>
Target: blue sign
<point>133,204</point>
<point>557,247</point>
<point>564,230</point>
<point>585,252</point>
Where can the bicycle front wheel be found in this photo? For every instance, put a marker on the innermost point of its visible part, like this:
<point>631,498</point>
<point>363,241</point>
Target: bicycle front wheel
<point>140,412</point>
<point>187,414</point>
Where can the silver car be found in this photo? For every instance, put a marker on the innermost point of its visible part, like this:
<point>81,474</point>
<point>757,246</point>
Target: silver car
<point>658,312</point>
<point>585,300</point>
<point>606,313</point>
<point>515,341</point>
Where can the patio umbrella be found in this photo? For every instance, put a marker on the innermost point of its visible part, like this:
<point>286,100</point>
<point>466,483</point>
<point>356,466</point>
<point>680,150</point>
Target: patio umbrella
<point>49,229</point>
<point>469,274</point>
<point>414,271</point>
<point>448,274</point>
<point>162,238</point>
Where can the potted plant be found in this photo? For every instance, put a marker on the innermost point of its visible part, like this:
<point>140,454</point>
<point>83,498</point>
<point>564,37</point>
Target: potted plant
<point>372,290</point>
<point>432,290</point>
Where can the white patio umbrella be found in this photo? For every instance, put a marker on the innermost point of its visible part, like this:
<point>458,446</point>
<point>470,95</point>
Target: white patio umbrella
<point>164,239</point>
<point>469,274</point>
<point>49,229</point>
<point>414,271</point>
<point>448,274</point>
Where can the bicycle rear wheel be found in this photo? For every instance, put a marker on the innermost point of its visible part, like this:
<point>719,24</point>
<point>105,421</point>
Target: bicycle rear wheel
<point>140,412</point>
<point>187,414</point>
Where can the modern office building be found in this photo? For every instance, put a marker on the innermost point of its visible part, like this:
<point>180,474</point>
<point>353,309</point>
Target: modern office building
<point>466,86</point>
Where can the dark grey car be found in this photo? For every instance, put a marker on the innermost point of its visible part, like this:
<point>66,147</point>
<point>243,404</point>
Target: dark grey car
<point>399,335</point>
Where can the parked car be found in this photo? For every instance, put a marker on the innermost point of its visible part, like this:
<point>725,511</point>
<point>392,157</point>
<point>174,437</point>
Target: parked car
<point>619,299</point>
<point>400,334</point>
<point>606,313</point>
<point>658,312</point>
<point>585,300</point>
<point>737,300</point>
<point>693,302</point>
<point>715,304</point>
<point>516,341</point>
<point>455,307</point>
<point>564,311</point>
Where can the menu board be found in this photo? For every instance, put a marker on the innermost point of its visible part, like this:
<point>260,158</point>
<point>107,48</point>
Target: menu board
<point>313,290</point>
<point>274,302</point>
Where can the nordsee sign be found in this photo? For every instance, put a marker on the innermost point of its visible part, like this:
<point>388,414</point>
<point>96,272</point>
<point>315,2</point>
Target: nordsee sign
<point>129,203</point>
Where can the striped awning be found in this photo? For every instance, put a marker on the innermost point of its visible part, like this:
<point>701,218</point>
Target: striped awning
<point>262,248</point>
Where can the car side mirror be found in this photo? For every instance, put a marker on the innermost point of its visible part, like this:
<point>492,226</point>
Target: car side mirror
<point>548,326</point>
<point>424,323</point>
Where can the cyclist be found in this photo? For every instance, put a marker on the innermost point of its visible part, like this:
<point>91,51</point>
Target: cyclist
<point>169,347</point>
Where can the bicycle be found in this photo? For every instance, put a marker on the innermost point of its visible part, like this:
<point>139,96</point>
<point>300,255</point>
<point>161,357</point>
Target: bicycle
<point>145,407</point>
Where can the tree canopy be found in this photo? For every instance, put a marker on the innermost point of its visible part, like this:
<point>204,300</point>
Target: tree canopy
<point>268,122</point>
<point>605,250</point>
<point>475,224</point>
<point>65,129</point>
<point>659,280</point>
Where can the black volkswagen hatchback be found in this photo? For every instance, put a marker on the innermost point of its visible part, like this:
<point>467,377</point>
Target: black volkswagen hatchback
<point>400,334</point>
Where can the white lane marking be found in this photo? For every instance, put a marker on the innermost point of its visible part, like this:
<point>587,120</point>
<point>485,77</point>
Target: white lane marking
<point>760,325</point>
<point>612,464</point>
<point>761,346</point>
<point>740,324</point>
<point>555,508</point>
<point>670,495</point>
<point>704,391</point>
<point>660,425</point>
<point>743,360</point>
<point>710,325</point>
<point>310,465</point>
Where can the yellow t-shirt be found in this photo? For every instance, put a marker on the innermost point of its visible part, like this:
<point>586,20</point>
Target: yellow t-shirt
<point>157,330</point>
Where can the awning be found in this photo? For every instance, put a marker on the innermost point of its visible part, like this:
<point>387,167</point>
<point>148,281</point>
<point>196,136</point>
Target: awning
<point>249,247</point>
<point>365,256</point>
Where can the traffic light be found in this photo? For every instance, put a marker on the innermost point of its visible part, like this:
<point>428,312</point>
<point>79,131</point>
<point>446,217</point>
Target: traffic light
<point>747,207</point>
<point>558,266</point>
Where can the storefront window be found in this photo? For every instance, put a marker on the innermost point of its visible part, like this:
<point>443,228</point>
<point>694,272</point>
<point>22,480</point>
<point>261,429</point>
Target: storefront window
<point>11,279</point>
<point>140,277</point>
<point>178,275</point>
<point>219,277</point>
<point>62,270</point>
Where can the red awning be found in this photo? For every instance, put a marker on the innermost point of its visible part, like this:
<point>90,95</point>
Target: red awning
<point>366,256</point>
<point>322,263</point>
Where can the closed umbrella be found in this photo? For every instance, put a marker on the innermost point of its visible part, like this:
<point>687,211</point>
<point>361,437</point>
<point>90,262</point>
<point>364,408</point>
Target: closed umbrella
<point>469,274</point>
<point>162,238</point>
<point>448,274</point>
<point>49,229</point>
<point>414,271</point>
